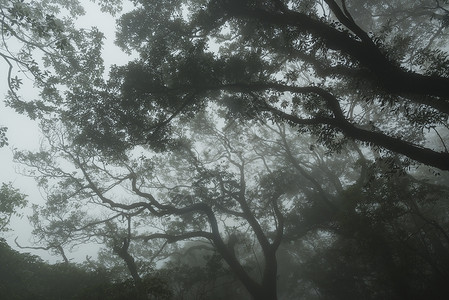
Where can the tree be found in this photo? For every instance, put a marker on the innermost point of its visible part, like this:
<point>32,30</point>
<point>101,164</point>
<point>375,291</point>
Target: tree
<point>11,200</point>
<point>27,27</point>
<point>386,247</point>
<point>306,63</point>
<point>34,35</point>
<point>25,276</point>
<point>146,157</point>
<point>354,207</point>
<point>210,186</point>
<point>361,242</point>
<point>37,38</point>
<point>196,271</point>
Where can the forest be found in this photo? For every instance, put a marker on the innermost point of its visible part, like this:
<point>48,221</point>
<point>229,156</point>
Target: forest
<point>249,149</point>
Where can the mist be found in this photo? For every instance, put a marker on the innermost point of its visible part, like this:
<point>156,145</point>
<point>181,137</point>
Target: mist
<point>224,149</point>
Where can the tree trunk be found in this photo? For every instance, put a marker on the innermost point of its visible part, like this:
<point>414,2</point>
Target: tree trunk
<point>122,252</point>
<point>269,280</point>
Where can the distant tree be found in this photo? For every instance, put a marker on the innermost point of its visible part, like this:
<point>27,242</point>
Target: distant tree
<point>385,235</point>
<point>195,271</point>
<point>3,138</point>
<point>25,276</point>
<point>11,201</point>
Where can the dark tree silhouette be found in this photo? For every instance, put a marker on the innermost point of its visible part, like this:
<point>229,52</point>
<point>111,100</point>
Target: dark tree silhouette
<point>306,63</point>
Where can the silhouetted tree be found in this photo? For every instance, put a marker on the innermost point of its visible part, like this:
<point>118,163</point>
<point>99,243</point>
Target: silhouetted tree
<point>306,63</point>
<point>11,201</point>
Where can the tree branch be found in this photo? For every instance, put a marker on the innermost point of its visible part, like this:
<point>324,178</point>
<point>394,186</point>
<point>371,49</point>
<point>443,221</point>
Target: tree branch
<point>171,238</point>
<point>57,247</point>
<point>388,74</point>
<point>426,156</point>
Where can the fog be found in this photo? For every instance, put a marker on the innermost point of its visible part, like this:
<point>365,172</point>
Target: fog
<point>229,150</point>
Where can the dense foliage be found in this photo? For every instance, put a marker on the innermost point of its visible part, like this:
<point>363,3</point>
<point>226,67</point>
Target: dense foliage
<point>282,148</point>
<point>306,63</point>
<point>37,41</point>
<point>251,195</point>
<point>11,201</point>
<point>24,276</point>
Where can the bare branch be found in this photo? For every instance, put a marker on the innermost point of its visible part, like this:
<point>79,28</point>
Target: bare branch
<point>57,247</point>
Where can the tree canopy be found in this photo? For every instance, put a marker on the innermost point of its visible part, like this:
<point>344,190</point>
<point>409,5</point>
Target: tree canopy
<point>26,276</point>
<point>11,201</point>
<point>37,40</point>
<point>252,195</point>
<point>277,136</point>
<point>306,63</point>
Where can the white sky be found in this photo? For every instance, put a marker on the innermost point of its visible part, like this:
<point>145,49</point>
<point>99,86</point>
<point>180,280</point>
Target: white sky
<point>24,134</point>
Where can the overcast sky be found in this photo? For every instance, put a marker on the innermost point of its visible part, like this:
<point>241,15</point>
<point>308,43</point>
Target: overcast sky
<point>23,133</point>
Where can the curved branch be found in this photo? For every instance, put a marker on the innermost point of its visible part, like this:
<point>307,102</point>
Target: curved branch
<point>280,223</point>
<point>100,194</point>
<point>57,247</point>
<point>426,156</point>
<point>388,74</point>
<point>306,175</point>
<point>346,19</point>
<point>171,238</point>
<point>9,76</point>
<point>214,235</point>
<point>441,106</point>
